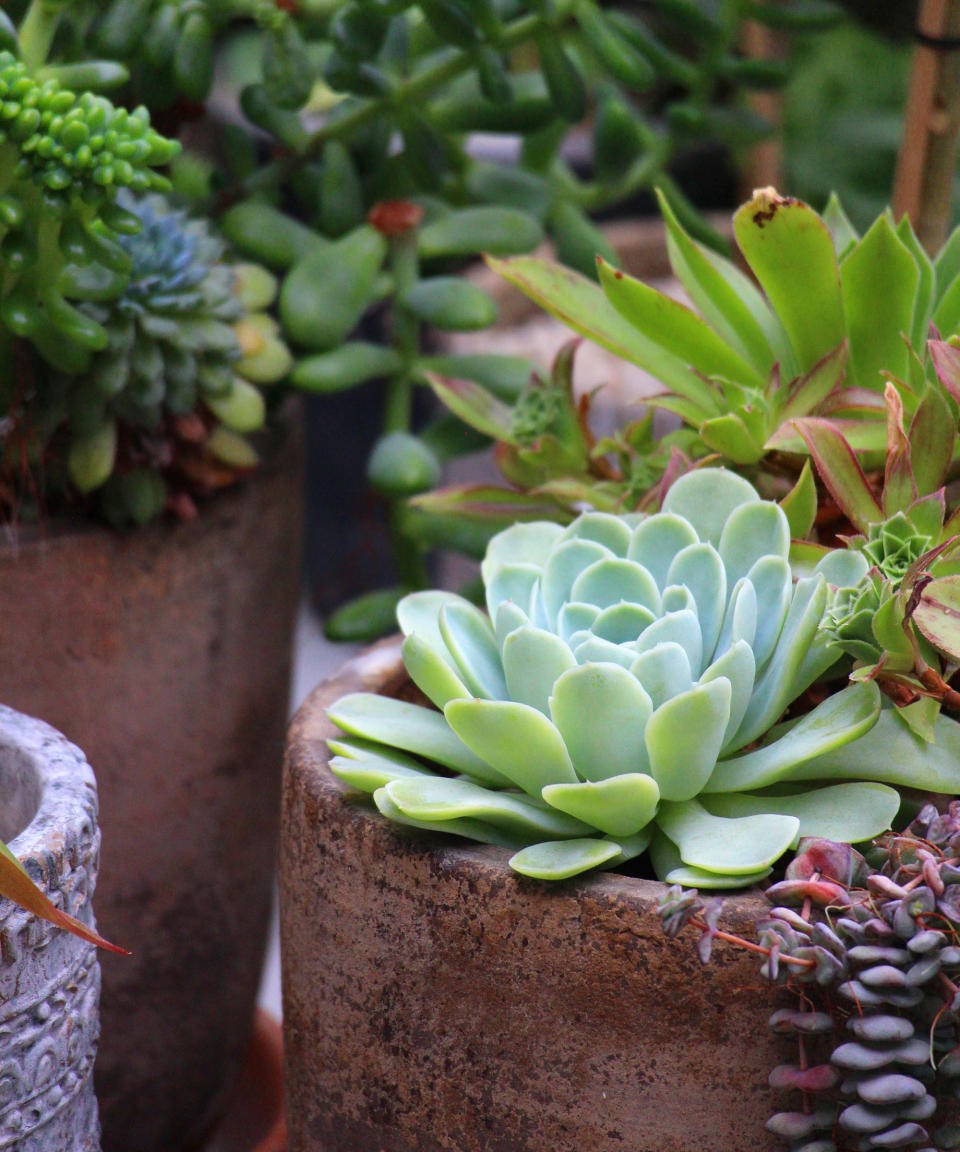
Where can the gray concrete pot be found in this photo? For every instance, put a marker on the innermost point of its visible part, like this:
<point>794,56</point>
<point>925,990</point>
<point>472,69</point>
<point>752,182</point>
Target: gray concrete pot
<point>434,1001</point>
<point>49,980</point>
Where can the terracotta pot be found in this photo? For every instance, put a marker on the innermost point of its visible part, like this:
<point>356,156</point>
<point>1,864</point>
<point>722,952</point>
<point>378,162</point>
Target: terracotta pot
<point>435,1000</point>
<point>49,980</point>
<point>254,1117</point>
<point>166,653</point>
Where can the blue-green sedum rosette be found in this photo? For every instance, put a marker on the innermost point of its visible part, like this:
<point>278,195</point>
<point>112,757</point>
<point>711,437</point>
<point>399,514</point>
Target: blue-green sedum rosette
<point>625,693</point>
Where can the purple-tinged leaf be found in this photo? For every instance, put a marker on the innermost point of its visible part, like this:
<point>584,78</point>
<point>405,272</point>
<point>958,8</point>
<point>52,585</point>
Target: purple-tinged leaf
<point>17,886</point>
<point>946,364</point>
<point>937,615</point>
<point>488,503</point>
<point>899,486</point>
<point>861,435</point>
<point>474,405</point>
<point>689,411</point>
<point>819,1078</point>
<point>933,435</point>
<point>839,471</point>
<point>927,513</point>
<point>677,466</point>
<point>809,392</point>
<point>854,403</point>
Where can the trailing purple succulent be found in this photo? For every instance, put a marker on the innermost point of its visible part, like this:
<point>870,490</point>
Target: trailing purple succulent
<point>871,949</point>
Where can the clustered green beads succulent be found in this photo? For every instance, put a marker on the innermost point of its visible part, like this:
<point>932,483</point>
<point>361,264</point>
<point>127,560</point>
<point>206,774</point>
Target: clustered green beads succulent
<point>75,146</point>
<point>615,696</point>
<point>187,331</point>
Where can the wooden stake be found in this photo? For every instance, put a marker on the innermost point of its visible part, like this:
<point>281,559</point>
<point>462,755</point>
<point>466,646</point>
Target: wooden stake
<point>762,167</point>
<point>923,185</point>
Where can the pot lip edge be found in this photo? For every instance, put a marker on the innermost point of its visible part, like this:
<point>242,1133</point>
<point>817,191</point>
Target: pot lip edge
<point>307,755</point>
<point>68,789</point>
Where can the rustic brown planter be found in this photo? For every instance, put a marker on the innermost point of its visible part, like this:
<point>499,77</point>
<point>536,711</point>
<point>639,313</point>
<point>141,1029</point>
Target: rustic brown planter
<point>165,654</point>
<point>434,1000</point>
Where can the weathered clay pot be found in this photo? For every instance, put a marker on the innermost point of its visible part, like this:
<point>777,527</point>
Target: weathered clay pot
<point>165,653</point>
<point>434,1000</point>
<point>49,980</point>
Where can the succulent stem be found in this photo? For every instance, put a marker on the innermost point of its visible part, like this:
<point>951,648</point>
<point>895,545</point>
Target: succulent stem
<point>38,29</point>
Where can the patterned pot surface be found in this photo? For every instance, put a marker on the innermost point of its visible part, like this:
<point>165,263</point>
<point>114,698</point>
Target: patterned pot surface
<point>49,980</point>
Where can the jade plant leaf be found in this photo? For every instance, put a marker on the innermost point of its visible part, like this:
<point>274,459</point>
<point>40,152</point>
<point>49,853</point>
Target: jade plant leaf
<point>602,712</point>
<point>410,728</point>
<point>516,740</point>
<point>433,798</point>
<point>430,672</point>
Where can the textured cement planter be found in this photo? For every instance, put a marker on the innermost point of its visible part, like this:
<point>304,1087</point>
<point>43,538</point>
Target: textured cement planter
<point>49,980</point>
<point>434,1000</point>
<point>165,653</point>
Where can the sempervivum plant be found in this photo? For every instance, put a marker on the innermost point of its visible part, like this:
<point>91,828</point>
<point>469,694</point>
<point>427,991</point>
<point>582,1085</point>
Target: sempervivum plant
<point>188,335</point>
<point>624,692</point>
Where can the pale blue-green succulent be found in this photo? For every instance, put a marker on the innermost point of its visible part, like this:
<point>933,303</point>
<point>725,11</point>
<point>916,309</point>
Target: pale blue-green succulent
<point>628,691</point>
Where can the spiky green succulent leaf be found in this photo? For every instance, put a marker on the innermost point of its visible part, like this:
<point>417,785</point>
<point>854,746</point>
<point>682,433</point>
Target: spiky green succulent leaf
<point>761,370</point>
<point>621,678</point>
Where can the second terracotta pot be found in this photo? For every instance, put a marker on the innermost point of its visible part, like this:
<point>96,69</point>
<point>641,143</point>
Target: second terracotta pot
<point>165,654</point>
<point>435,1001</point>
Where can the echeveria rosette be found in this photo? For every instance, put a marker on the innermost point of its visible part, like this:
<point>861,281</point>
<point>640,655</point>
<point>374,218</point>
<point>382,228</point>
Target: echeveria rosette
<point>616,698</point>
<point>188,331</point>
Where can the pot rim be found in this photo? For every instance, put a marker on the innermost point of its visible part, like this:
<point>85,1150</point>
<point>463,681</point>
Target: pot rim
<point>66,790</point>
<point>379,668</point>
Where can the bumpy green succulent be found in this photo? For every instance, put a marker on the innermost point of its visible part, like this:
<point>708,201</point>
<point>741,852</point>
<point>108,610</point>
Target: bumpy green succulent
<point>186,331</point>
<point>76,146</point>
<point>616,694</point>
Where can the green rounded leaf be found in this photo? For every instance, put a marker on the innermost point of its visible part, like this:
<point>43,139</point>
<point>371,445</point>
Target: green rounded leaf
<point>684,737</point>
<point>601,711</point>
<point>620,806</point>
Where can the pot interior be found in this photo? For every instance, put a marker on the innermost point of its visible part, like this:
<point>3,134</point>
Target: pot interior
<point>20,789</point>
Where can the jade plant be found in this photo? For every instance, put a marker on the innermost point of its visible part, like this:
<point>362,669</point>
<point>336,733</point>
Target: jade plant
<point>381,102</point>
<point>638,682</point>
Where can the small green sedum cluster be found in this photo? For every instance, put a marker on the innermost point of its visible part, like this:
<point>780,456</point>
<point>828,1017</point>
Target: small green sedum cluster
<point>626,692</point>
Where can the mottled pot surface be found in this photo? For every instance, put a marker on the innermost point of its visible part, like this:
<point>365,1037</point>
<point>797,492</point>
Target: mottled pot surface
<point>165,653</point>
<point>434,1000</point>
<point>49,980</point>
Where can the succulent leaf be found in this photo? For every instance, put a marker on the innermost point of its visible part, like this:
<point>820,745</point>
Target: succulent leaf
<point>629,662</point>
